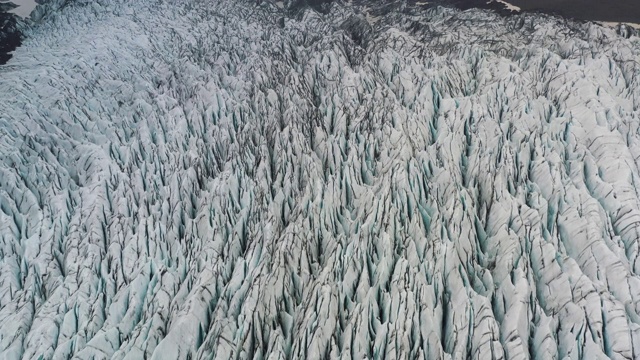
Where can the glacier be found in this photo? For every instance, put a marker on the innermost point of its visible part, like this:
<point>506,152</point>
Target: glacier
<point>232,180</point>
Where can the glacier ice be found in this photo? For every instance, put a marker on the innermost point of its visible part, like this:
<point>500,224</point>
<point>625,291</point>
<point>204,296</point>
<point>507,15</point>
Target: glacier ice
<point>217,180</point>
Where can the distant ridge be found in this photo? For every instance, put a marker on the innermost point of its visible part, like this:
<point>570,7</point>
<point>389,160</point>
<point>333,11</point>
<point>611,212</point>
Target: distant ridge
<point>10,36</point>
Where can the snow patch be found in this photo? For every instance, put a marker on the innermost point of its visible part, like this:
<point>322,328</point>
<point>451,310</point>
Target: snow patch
<point>507,5</point>
<point>24,9</point>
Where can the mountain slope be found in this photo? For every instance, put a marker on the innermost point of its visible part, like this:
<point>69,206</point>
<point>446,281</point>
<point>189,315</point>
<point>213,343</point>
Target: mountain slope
<point>183,179</point>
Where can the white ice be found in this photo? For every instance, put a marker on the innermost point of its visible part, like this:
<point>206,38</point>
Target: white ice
<point>201,180</point>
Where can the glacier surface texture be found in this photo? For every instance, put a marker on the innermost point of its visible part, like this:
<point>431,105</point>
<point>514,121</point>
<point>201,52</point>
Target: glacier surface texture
<point>224,180</point>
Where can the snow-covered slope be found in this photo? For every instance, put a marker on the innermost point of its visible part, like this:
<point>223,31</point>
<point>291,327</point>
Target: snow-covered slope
<point>23,8</point>
<point>198,179</point>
